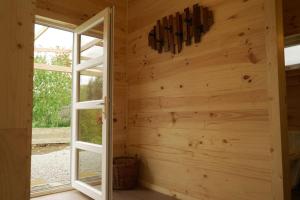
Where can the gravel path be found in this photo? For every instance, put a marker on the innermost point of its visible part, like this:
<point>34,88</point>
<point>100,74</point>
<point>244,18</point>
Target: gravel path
<point>50,168</point>
<point>53,169</point>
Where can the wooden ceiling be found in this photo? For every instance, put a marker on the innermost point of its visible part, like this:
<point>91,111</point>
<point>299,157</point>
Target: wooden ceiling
<point>71,11</point>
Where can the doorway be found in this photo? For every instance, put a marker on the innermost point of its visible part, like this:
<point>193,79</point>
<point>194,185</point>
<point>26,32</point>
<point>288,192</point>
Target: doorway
<point>51,132</point>
<point>87,111</point>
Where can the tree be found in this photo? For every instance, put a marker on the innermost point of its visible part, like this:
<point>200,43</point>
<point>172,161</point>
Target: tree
<point>52,100</point>
<point>52,94</point>
<point>90,121</point>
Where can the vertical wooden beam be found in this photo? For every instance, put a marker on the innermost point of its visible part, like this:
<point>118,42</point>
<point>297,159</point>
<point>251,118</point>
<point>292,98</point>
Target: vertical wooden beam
<point>16,55</point>
<point>274,42</point>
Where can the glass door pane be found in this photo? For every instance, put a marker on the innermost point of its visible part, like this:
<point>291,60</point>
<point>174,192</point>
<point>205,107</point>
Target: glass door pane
<point>90,105</point>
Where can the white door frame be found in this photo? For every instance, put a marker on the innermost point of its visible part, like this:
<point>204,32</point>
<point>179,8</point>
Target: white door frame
<point>105,104</point>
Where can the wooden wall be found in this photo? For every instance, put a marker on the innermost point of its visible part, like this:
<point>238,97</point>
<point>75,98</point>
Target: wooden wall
<point>16,55</point>
<point>206,123</point>
<point>291,17</point>
<point>78,11</point>
<point>293,99</point>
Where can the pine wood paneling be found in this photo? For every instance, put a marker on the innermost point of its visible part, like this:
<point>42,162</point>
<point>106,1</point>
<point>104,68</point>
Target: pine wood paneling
<point>16,55</point>
<point>78,11</point>
<point>201,121</point>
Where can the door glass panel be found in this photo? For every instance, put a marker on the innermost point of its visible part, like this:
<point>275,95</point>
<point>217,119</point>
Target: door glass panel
<point>90,126</point>
<point>89,168</point>
<point>91,84</point>
<point>91,45</point>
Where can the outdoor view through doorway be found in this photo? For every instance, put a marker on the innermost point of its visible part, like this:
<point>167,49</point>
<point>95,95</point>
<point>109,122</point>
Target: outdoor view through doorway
<point>51,132</point>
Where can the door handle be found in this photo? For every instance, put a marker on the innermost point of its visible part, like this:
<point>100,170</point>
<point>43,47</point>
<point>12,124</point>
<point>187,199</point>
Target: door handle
<point>105,107</point>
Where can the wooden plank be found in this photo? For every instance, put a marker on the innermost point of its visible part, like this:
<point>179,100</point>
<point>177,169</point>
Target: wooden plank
<point>155,46</point>
<point>52,50</point>
<point>166,28</point>
<point>95,62</point>
<point>179,31</point>
<point>16,83</point>
<point>39,34</point>
<point>188,26</point>
<point>53,68</point>
<point>95,42</point>
<point>159,36</point>
<point>204,18</point>
<point>95,72</point>
<point>15,161</point>
<point>277,90</point>
<point>197,26</point>
<point>171,34</point>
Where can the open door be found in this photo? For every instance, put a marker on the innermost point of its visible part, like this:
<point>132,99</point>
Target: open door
<point>90,99</point>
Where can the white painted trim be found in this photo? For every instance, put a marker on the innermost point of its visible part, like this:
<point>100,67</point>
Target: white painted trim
<point>105,138</point>
<point>97,104</point>
<point>74,160</point>
<point>96,148</point>
<point>103,16</point>
<point>90,63</point>
<point>97,19</point>
<point>88,190</point>
<point>110,50</point>
<point>95,42</point>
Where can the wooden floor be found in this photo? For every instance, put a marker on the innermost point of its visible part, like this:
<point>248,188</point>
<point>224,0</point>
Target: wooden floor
<point>139,194</point>
<point>71,195</point>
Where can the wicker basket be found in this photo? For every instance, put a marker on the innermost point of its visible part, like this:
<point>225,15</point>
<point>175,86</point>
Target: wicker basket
<point>125,173</point>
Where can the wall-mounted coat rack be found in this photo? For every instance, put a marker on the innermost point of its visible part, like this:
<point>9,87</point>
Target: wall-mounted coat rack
<point>171,32</point>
